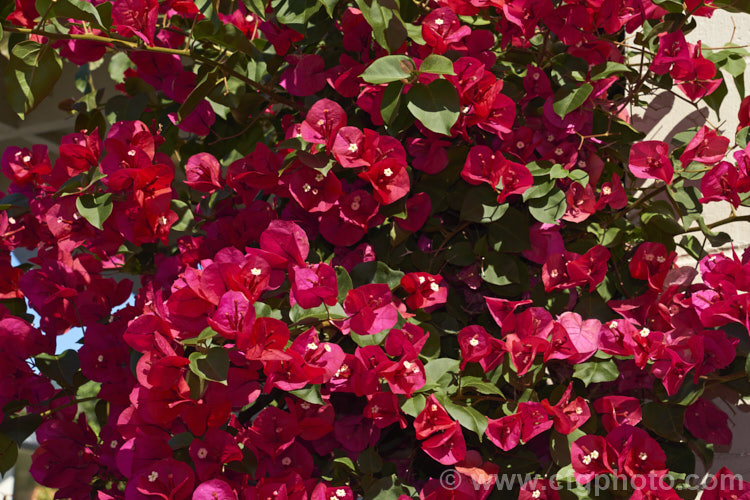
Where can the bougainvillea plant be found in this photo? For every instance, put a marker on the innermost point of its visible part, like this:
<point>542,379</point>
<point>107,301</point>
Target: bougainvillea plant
<point>371,249</point>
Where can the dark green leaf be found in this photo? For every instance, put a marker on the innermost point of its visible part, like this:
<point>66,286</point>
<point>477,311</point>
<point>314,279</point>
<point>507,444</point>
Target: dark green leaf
<point>500,269</point>
<point>593,372</point>
<point>198,93</point>
<point>184,214</point>
<point>369,462</point>
<point>61,367</point>
<point>330,6</point>
<point>715,98</point>
<point>295,12</point>
<point>8,454</point>
<point>436,105</point>
<point>481,386</point>
<point>391,102</point>
<point>95,208</point>
<point>664,420</point>
<point>437,65</point>
<point>32,73</point>
<point>75,9</point>
<point>389,69</point>
<point>568,99</point>
<point>387,26</point>
<point>18,429</point>
<point>511,233</point>
<point>214,365</point>
<point>480,205</point>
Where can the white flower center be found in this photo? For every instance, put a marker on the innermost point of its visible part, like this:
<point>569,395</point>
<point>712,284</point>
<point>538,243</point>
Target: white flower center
<point>660,259</point>
<point>286,461</point>
<point>439,22</point>
<point>579,410</point>
<point>559,151</point>
<point>473,342</point>
<point>434,287</point>
<point>388,172</point>
<point>312,346</point>
<point>319,177</point>
<point>340,492</point>
<point>255,271</point>
<point>27,159</point>
<point>594,454</point>
<point>606,190</point>
<point>153,476</point>
<point>306,187</point>
<point>100,358</point>
<point>520,144</point>
<point>536,493</point>
<point>554,273</point>
<point>586,460</point>
<point>113,444</point>
<point>642,455</point>
<point>644,332</point>
<point>131,152</point>
<point>352,147</point>
<point>202,453</point>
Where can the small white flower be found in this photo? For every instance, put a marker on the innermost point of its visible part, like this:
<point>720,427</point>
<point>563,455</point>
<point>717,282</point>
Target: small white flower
<point>536,494</point>
<point>312,346</point>
<point>153,476</point>
<point>352,147</point>
<point>319,177</point>
<point>100,358</point>
<point>434,287</point>
<point>644,332</point>
<point>606,190</point>
<point>579,410</point>
<point>660,259</point>
<point>520,144</point>
<point>202,453</point>
<point>113,444</point>
<point>642,455</point>
<point>131,152</point>
<point>27,159</point>
<point>340,492</point>
<point>594,454</point>
<point>306,187</point>
<point>286,461</point>
<point>255,271</point>
<point>586,459</point>
<point>388,172</point>
<point>559,151</point>
<point>473,342</point>
<point>439,21</point>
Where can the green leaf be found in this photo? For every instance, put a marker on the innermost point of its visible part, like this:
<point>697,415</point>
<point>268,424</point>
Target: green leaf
<point>549,209</point>
<point>593,372</point>
<point>330,6</point>
<point>436,105</point>
<point>311,394</point>
<point>214,365</point>
<point>511,233</point>
<point>17,200</point>
<point>742,137</point>
<point>369,462</point>
<point>295,12</point>
<point>95,208</point>
<point>184,214</point>
<point>570,98</point>
<point>414,405</point>
<point>437,65</point>
<point>566,475</point>
<point>391,102</point>
<point>375,272</point>
<point>18,429</point>
<point>467,416</point>
<point>609,68</point>
<point>664,420</point>
<point>206,334</point>
<point>389,69</point>
<point>365,340</point>
<point>439,372</point>
<point>8,454</point>
<point>480,205</point>
<point>715,98</point>
<point>32,73</point>
<point>75,9</point>
<point>61,367</point>
<point>344,282</point>
<point>387,26</point>
<point>200,92</point>
<point>481,386</point>
<point>500,269</point>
